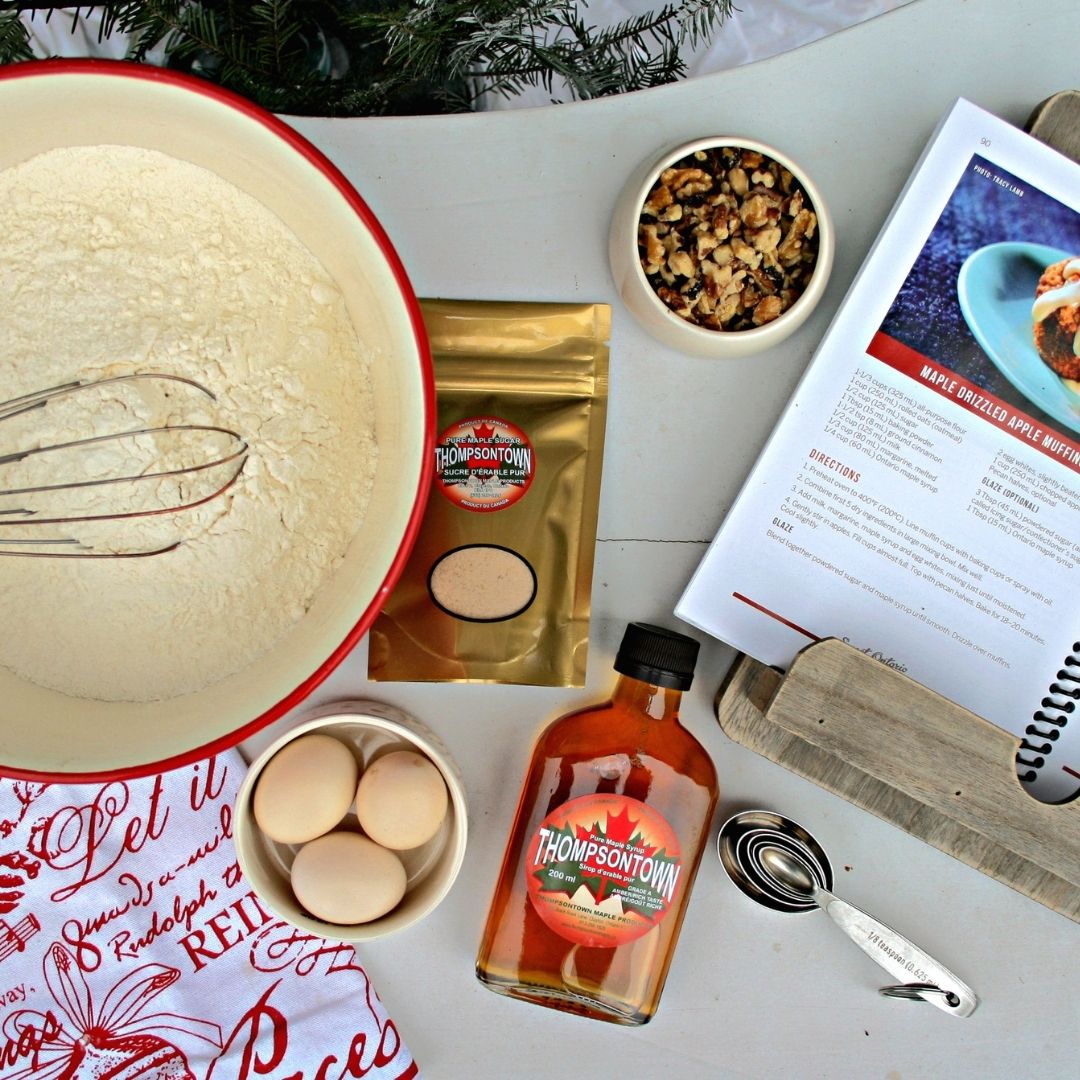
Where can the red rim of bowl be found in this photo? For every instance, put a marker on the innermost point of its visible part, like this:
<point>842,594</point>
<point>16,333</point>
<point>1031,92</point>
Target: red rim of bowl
<point>256,113</point>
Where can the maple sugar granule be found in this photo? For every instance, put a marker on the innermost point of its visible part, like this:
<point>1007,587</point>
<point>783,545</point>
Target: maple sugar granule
<point>483,583</point>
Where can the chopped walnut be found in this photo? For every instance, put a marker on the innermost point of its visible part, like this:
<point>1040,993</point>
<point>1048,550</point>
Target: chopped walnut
<point>767,309</point>
<point>767,239</point>
<point>679,262</point>
<point>727,309</point>
<point>686,182</point>
<point>744,252</point>
<point>706,242</point>
<point>659,198</point>
<point>754,212</point>
<point>802,228</point>
<point>728,238</point>
<point>654,249</point>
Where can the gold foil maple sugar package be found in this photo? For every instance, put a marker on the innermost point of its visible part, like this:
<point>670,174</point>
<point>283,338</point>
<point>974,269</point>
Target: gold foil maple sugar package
<point>498,586</point>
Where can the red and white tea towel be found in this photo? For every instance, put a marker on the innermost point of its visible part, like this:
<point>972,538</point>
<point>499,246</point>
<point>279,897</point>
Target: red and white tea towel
<point>130,946</point>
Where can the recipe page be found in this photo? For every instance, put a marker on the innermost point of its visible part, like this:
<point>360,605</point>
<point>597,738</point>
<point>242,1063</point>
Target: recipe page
<point>920,497</point>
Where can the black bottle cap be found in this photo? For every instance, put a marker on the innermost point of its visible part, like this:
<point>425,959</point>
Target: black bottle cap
<point>657,656</point>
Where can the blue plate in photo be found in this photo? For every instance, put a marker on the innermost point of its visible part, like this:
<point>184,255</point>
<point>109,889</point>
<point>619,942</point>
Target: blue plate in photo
<point>996,288</point>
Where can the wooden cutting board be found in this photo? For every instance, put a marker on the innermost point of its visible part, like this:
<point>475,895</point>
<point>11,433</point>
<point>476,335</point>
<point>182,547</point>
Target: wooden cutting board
<point>1056,122</point>
<point>887,744</point>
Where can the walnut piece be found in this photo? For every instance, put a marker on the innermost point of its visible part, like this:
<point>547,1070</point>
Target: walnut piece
<point>728,238</point>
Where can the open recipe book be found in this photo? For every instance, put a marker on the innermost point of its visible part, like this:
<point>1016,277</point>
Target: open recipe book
<point>920,497</point>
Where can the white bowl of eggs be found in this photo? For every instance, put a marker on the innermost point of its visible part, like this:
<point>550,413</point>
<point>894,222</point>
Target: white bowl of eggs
<point>353,824</point>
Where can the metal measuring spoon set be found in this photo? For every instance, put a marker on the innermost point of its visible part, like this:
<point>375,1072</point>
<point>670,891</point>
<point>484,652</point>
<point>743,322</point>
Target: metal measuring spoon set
<point>779,864</point>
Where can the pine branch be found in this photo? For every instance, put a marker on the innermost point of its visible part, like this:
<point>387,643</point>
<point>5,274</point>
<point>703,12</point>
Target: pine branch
<point>506,51</point>
<point>403,55</point>
<point>14,39</point>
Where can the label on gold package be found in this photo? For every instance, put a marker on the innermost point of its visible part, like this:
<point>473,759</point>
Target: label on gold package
<point>499,583</point>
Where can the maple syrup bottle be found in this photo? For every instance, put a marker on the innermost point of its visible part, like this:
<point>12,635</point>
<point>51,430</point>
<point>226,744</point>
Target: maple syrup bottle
<point>612,820</point>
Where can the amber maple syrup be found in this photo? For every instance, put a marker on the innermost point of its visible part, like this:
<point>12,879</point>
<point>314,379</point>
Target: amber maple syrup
<point>610,827</point>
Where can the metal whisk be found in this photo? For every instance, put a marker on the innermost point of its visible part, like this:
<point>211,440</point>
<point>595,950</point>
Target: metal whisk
<point>27,519</point>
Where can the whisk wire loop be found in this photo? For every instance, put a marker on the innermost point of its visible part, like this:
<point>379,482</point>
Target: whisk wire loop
<point>234,454</point>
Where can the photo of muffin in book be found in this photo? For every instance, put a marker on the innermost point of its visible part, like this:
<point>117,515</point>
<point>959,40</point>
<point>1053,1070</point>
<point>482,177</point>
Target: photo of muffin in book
<point>994,296</point>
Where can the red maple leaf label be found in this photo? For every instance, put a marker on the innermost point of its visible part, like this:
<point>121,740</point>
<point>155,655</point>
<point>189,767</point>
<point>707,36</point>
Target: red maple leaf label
<point>620,831</point>
<point>484,431</point>
<point>603,868</point>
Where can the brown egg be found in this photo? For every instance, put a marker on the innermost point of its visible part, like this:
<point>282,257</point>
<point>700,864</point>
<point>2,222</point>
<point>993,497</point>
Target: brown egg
<point>345,878</point>
<point>401,800</point>
<point>305,789</point>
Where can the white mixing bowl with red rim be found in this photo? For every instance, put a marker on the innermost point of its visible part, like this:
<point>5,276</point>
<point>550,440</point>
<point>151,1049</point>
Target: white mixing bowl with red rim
<point>57,103</point>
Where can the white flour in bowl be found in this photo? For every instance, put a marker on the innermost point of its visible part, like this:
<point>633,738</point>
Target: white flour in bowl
<point>116,260</point>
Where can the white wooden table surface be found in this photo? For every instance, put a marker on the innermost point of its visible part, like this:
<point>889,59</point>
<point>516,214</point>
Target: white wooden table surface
<point>515,205</point>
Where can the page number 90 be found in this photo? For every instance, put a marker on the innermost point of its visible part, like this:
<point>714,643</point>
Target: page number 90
<point>984,141</point>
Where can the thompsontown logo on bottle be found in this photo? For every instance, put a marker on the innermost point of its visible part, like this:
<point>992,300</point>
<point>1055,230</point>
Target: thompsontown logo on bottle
<point>484,463</point>
<point>602,870</point>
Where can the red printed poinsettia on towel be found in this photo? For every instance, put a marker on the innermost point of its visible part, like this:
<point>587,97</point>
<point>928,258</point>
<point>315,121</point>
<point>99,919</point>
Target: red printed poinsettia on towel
<point>131,946</point>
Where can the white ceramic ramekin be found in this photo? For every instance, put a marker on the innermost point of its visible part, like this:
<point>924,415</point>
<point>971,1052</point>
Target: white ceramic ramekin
<point>640,297</point>
<point>370,729</point>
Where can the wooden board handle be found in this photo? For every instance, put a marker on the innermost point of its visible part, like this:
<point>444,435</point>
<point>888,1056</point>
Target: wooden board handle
<point>891,746</point>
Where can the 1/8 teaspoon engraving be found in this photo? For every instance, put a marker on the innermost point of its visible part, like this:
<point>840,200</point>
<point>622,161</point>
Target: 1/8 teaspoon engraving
<point>892,951</point>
